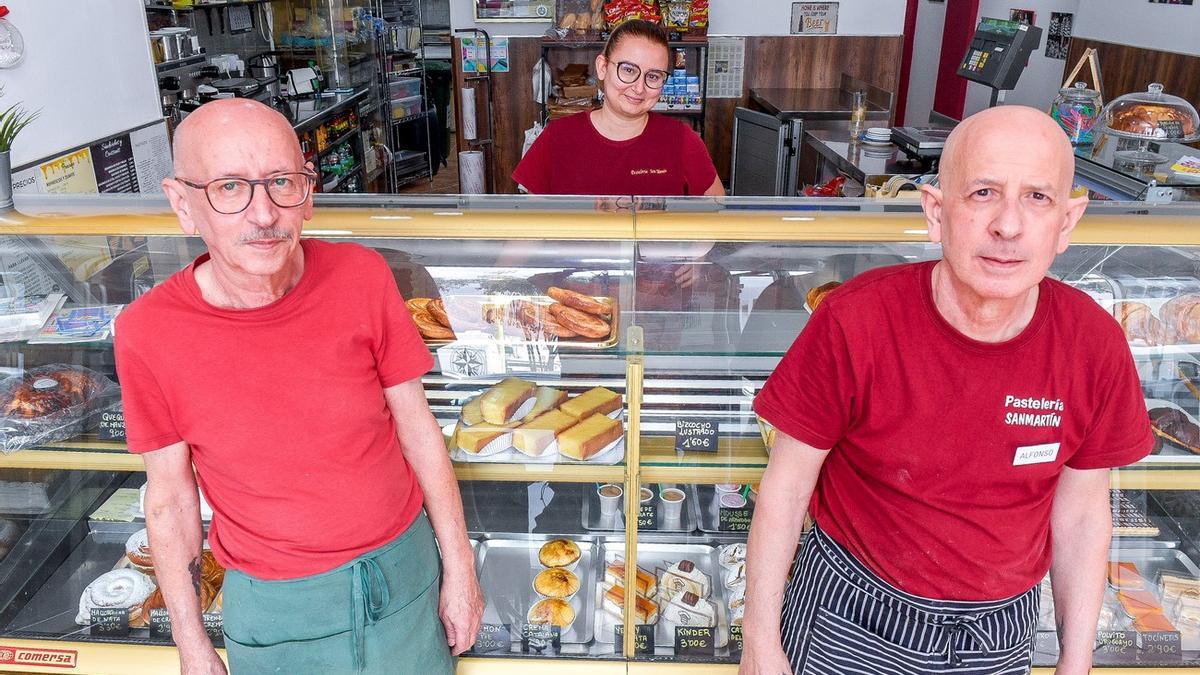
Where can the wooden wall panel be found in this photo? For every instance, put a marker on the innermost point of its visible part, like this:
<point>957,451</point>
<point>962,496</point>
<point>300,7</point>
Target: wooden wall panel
<point>780,61</point>
<point>1126,69</point>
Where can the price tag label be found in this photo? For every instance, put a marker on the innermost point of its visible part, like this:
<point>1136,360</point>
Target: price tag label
<point>1161,647</point>
<point>540,638</point>
<point>1115,647</point>
<point>695,435</point>
<point>213,625</point>
<point>643,639</point>
<point>1171,128</point>
<point>647,517</point>
<point>112,426</point>
<point>110,622</point>
<point>694,641</point>
<point>492,637</point>
<point>160,624</point>
<point>735,642</point>
<point>734,520</point>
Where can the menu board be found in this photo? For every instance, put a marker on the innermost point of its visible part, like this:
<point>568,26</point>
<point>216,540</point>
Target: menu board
<point>131,162</point>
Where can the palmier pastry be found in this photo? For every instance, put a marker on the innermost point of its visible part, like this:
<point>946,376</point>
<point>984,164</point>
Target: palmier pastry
<point>540,321</point>
<point>559,553</point>
<point>431,329</point>
<point>417,304</point>
<point>817,293</point>
<point>211,570</point>
<point>587,325</point>
<point>437,309</point>
<point>553,611</point>
<point>1174,426</point>
<point>123,588</point>
<point>137,550</point>
<point>556,582</point>
<point>581,302</point>
<point>1139,324</point>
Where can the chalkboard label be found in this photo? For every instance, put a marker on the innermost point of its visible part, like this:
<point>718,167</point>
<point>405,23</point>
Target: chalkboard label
<point>647,517</point>
<point>1160,647</point>
<point>112,426</point>
<point>110,622</point>
<point>214,625</point>
<point>541,638</point>
<point>695,435</point>
<point>492,637</point>
<point>1115,647</point>
<point>160,623</point>
<point>694,641</point>
<point>734,520</point>
<point>735,642</point>
<point>643,639</point>
<point>1171,128</point>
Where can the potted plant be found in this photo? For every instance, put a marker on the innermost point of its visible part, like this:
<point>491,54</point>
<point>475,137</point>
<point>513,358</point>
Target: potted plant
<point>12,120</point>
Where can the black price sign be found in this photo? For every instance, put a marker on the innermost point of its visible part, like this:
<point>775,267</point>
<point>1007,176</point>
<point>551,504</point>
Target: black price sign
<point>1171,128</point>
<point>213,625</point>
<point>492,637</point>
<point>1161,647</point>
<point>694,641</point>
<point>735,642</point>
<point>110,622</point>
<point>643,639</point>
<point>160,623</point>
<point>734,520</point>
<point>540,638</point>
<point>695,435</point>
<point>647,517</point>
<point>112,426</point>
<point>1115,647</point>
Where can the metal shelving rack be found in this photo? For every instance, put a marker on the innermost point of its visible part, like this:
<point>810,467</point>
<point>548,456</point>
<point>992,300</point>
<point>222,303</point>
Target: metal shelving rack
<point>403,170</point>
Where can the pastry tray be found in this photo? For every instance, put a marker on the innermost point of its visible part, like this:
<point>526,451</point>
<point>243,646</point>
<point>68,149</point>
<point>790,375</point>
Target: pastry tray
<point>655,559</point>
<point>507,568</point>
<point>613,453</point>
<point>707,512</point>
<point>507,333</point>
<point>593,521</point>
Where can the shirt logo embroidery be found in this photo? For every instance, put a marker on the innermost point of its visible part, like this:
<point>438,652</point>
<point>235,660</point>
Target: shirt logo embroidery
<point>643,172</point>
<point>1036,454</point>
<point>1016,417</point>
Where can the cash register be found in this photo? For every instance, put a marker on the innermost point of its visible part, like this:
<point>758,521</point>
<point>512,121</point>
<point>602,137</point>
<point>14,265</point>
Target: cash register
<point>998,53</point>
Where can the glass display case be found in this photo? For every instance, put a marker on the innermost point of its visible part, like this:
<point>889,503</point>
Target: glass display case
<point>627,434</point>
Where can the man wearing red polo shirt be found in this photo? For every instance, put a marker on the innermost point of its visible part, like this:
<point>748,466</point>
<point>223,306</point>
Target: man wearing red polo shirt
<point>950,427</point>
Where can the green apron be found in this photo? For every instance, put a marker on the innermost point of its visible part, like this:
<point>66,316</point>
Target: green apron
<point>367,616</point>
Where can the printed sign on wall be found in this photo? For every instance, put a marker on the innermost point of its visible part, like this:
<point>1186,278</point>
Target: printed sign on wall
<point>814,18</point>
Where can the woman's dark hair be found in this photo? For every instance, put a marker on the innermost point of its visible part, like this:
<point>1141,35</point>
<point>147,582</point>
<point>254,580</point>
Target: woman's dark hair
<point>649,30</point>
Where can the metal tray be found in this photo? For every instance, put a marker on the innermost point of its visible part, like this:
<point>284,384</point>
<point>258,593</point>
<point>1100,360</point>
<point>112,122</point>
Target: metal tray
<point>509,332</point>
<point>706,510</point>
<point>507,568</point>
<point>656,558</point>
<point>593,521</point>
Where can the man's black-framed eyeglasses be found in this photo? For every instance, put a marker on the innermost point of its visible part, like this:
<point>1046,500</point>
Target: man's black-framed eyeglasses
<point>630,72</point>
<point>232,194</point>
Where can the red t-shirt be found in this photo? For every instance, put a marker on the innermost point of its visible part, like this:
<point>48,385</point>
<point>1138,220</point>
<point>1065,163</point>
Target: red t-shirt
<point>934,480</point>
<point>571,158</point>
<point>283,408</point>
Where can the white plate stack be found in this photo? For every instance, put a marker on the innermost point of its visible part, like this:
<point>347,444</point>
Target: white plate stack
<point>877,136</point>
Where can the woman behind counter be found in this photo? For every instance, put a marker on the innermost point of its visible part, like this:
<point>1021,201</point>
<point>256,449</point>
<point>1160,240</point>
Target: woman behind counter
<point>622,148</point>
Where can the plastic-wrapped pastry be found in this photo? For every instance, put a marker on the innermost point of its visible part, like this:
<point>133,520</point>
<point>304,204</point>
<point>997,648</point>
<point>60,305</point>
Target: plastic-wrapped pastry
<point>123,588</point>
<point>732,554</point>
<point>45,391</point>
<point>645,611</point>
<point>735,577</point>
<point>689,609</point>
<point>614,573</point>
<point>1139,323</point>
<point>685,577</point>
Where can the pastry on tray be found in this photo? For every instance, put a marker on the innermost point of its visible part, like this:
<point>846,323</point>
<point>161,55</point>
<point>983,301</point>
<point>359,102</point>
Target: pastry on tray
<point>502,401</point>
<point>1173,425</point>
<point>124,588</point>
<point>689,609</point>
<point>476,438</point>
<point>601,307</point>
<point>137,550</point>
<point>544,400</point>
<point>645,610</point>
<point>589,437</point>
<point>556,582</point>
<point>553,611</point>
<point>597,400</point>
<point>559,553</point>
<point>1140,325</point>
<point>614,573</point>
<point>685,577</point>
<point>532,438</point>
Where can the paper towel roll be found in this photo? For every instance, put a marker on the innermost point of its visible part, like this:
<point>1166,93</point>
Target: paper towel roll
<point>472,176</point>
<point>468,113</point>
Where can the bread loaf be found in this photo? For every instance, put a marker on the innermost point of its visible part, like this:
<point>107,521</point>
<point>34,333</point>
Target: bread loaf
<point>534,437</point>
<point>589,437</point>
<point>593,401</point>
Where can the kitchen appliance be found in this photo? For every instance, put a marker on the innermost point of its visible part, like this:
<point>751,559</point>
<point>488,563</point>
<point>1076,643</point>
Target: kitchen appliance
<point>238,86</point>
<point>263,66</point>
<point>998,54</point>
<point>301,81</point>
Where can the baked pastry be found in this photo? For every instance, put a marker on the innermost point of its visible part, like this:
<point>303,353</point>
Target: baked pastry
<point>593,401</point>
<point>429,328</point>
<point>816,294</point>
<point>43,392</point>
<point>546,398</point>
<point>1140,325</point>
<point>1175,585</point>
<point>559,553</point>
<point>685,577</point>
<point>589,437</point>
<point>539,322</point>
<point>556,582</point>
<point>689,609</point>
<point>1189,372</point>
<point>1125,576</point>
<point>1181,316</point>
<point>554,611</point>
<point>735,577</point>
<point>501,402</point>
<point>1145,119</point>
<point>137,550</point>
<point>155,601</point>
<point>645,610</point>
<point>587,325</point>
<point>122,588</point>
<point>1138,603</point>
<point>1153,622</point>
<point>211,570</point>
<point>1173,425</point>
<point>596,306</point>
<point>532,438</point>
<point>614,573</point>
<point>732,554</point>
<point>737,597</point>
<point>471,413</point>
<point>475,438</point>
<point>437,309</point>
<point>417,304</point>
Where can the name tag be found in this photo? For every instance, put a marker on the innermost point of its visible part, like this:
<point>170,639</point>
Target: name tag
<point>1036,454</point>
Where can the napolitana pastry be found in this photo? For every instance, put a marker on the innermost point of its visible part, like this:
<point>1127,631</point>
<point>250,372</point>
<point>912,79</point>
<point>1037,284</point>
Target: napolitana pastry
<point>556,582</point>
<point>534,437</point>
<point>585,324</point>
<point>546,399</point>
<point>645,610</point>
<point>1174,426</point>
<point>559,553</point>
<point>689,609</point>
<point>502,401</point>
<point>614,573</point>
<point>137,550</point>
<point>685,577</point>
<point>122,588</point>
<point>553,611</point>
<point>594,401</point>
<point>589,437</point>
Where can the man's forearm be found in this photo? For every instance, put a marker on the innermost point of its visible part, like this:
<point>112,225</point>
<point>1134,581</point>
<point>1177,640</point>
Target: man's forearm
<point>773,538</point>
<point>425,449</point>
<point>1081,530</point>
<point>173,522</point>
